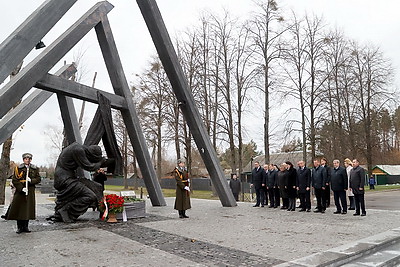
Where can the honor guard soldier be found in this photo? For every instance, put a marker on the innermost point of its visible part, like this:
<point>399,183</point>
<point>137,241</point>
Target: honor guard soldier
<point>182,201</point>
<point>23,206</point>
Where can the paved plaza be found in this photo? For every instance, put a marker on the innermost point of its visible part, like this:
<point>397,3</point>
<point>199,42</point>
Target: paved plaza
<point>212,236</point>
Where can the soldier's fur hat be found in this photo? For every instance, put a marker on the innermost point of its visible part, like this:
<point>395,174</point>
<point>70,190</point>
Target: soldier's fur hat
<point>26,155</point>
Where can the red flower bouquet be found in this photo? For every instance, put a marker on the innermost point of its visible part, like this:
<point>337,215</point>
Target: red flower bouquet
<point>112,203</point>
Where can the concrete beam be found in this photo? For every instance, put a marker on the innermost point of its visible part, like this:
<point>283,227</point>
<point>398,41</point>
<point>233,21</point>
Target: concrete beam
<point>17,116</point>
<point>73,89</point>
<point>18,45</point>
<point>13,91</point>
<point>121,87</point>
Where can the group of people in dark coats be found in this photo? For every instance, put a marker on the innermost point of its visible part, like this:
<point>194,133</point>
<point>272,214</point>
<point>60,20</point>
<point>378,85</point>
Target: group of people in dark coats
<point>288,183</point>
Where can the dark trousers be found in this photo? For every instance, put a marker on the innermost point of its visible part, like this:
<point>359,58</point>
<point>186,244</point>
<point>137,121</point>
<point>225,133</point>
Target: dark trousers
<point>305,200</point>
<point>277,197</point>
<point>260,194</point>
<point>360,202</point>
<point>340,198</point>
<point>271,197</point>
<point>321,202</point>
<point>22,224</point>
<point>327,195</point>
<point>285,202</point>
<point>265,196</point>
<point>236,196</point>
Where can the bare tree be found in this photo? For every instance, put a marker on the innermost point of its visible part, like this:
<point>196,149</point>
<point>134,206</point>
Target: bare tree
<point>266,31</point>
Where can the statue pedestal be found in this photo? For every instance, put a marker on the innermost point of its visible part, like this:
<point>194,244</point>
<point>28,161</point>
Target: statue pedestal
<point>133,210</point>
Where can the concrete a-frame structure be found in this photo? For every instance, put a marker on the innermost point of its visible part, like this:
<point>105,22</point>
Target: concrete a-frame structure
<point>16,47</point>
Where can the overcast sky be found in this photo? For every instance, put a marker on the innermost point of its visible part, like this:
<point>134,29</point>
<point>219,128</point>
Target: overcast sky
<point>363,20</point>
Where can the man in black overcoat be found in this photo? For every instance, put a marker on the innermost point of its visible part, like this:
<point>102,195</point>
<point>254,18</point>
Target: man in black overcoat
<point>303,184</point>
<point>357,182</point>
<point>324,163</point>
<point>319,177</point>
<point>257,178</point>
<point>339,187</point>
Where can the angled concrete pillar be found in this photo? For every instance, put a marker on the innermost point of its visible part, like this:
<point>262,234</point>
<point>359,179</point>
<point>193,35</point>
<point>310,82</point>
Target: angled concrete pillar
<point>121,87</point>
<point>169,59</point>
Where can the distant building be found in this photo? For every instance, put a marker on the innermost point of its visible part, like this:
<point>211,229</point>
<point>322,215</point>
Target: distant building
<point>386,174</point>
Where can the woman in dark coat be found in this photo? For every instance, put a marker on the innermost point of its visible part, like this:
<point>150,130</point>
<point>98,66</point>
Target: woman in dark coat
<point>283,185</point>
<point>23,205</point>
<point>291,185</point>
<point>182,200</point>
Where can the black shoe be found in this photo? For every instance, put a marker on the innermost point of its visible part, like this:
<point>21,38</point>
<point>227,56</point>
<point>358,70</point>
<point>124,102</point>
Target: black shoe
<point>20,230</point>
<point>293,210</point>
<point>302,210</point>
<point>352,208</point>
<point>26,230</point>
<point>275,207</point>
<point>262,206</point>
<point>344,212</point>
<point>356,214</point>
<point>308,210</point>
<point>317,210</point>
<point>256,206</point>
<point>337,212</point>
<point>363,214</point>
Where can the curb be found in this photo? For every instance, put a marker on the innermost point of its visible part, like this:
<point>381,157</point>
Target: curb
<point>350,252</point>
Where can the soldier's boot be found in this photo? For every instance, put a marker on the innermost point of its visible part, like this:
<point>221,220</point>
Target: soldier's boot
<point>20,226</point>
<point>184,214</point>
<point>25,228</point>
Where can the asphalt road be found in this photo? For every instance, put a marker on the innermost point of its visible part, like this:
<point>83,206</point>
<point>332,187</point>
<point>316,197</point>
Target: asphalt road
<point>383,200</point>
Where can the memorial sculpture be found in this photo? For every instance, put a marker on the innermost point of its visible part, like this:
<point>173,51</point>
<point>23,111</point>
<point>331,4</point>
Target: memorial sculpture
<point>18,45</point>
<point>76,194</point>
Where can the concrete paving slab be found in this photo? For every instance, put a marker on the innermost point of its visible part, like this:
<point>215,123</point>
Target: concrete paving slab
<point>212,236</point>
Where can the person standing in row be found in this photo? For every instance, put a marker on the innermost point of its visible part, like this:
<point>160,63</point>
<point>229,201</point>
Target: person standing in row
<point>274,173</point>
<point>182,200</point>
<point>339,185</point>
<point>257,178</point>
<point>357,181</point>
<point>23,206</point>
<point>283,185</point>
<point>303,184</point>
<point>270,185</point>
<point>349,166</point>
<point>327,191</point>
<point>235,186</point>
<point>292,192</point>
<point>318,183</point>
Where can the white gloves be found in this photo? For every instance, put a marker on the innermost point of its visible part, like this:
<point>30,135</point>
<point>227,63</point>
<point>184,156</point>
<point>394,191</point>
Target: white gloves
<point>24,190</point>
<point>29,179</point>
<point>187,188</point>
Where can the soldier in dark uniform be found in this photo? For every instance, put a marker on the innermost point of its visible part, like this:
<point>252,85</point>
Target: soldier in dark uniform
<point>23,206</point>
<point>182,201</point>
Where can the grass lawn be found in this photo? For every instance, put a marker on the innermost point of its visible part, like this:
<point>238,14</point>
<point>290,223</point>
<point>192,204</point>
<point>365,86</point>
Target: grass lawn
<point>167,192</point>
<point>383,187</point>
